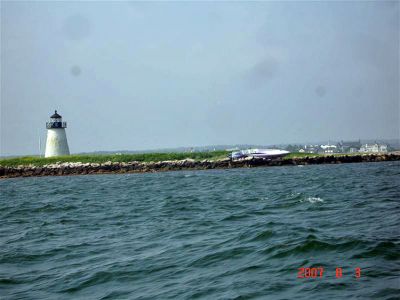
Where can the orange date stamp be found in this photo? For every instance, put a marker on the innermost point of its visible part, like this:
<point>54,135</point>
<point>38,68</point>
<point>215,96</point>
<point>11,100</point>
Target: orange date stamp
<point>319,272</point>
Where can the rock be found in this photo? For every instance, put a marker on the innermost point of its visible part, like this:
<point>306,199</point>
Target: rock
<point>77,168</point>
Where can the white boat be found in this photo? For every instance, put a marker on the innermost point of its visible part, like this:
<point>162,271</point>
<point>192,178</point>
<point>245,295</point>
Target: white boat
<point>259,153</point>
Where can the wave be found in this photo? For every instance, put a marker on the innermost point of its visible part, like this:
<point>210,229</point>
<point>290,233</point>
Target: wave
<point>263,235</point>
<point>387,249</point>
<point>310,245</point>
<point>212,258</point>
<point>312,200</point>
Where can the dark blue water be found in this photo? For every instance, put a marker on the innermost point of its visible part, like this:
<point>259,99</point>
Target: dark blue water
<point>218,234</point>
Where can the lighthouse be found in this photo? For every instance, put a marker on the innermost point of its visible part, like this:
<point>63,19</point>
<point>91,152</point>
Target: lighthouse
<point>56,143</point>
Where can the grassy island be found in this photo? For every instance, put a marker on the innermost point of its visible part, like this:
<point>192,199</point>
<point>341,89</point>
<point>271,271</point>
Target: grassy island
<point>139,157</point>
<point>102,158</point>
<point>158,162</point>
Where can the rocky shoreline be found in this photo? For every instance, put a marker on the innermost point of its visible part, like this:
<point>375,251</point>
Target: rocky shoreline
<point>76,168</point>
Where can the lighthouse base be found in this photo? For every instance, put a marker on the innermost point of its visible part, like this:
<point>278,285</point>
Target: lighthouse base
<point>56,144</point>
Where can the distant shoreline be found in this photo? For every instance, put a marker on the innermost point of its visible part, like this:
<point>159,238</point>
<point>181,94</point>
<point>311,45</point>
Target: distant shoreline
<point>78,168</point>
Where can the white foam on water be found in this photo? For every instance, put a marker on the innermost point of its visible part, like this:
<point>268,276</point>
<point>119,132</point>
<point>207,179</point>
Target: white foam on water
<point>314,199</point>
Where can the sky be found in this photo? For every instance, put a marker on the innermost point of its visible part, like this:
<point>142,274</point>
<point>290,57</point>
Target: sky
<point>135,75</point>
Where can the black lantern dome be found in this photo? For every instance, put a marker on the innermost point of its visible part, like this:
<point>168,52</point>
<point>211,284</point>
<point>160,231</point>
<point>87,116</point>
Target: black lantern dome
<point>55,115</point>
<point>56,121</point>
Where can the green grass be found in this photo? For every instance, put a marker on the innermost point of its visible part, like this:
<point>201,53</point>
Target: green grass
<point>300,155</point>
<point>142,157</point>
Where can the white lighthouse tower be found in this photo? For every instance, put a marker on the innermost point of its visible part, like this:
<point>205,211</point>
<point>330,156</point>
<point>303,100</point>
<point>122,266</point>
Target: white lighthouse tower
<point>56,143</point>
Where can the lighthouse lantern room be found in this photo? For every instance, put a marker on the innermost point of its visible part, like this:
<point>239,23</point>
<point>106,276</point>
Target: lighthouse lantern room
<point>56,143</point>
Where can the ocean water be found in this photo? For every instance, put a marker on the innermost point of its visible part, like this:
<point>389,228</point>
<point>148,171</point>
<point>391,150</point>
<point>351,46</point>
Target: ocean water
<point>217,234</point>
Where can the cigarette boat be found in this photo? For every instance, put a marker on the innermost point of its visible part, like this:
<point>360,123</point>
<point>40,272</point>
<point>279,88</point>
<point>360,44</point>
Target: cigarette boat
<point>259,153</point>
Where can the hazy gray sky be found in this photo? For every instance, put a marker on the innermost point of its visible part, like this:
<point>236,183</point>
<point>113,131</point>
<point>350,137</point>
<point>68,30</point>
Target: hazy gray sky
<point>131,75</point>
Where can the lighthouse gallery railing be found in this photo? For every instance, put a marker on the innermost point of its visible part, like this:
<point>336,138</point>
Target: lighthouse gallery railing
<point>50,125</point>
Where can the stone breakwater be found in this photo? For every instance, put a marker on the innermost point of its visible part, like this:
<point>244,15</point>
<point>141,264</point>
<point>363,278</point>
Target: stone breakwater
<point>77,168</point>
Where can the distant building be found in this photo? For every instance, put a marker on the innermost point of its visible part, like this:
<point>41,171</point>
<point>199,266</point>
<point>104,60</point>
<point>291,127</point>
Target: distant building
<point>311,148</point>
<point>350,146</point>
<point>373,148</point>
<point>328,149</point>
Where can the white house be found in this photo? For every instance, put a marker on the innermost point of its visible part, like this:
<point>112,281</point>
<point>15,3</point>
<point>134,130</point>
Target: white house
<point>328,148</point>
<point>373,148</point>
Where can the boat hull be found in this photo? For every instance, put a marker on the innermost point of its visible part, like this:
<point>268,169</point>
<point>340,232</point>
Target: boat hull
<point>259,153</point>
